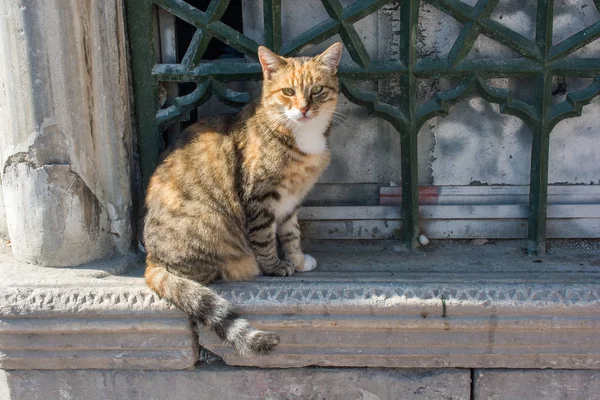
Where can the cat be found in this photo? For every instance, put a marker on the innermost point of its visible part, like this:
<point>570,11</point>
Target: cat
<point>223,204</point>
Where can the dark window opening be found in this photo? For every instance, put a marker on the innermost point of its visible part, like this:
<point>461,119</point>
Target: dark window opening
<point>216,50</point>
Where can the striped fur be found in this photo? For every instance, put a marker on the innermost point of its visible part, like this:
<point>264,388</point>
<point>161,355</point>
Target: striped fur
<point>204,305</point>
<point>223,203</point>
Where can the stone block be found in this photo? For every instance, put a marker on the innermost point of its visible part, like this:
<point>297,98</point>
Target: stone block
<point>66,137</point>
<point>227,383</point>
<point>3,226</point>
<point>536,384</point>
<point>469,307</point>
<point>75,216</point>
<point>88,318</point>
<point>475,307</point>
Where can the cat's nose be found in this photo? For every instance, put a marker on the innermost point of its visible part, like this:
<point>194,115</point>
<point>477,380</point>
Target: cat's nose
<point>304,110</point>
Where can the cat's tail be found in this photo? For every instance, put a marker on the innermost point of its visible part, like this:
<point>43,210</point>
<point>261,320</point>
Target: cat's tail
<point>201,303</point>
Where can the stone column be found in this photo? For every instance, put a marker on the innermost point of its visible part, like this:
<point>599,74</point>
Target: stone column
<point>3,227</point>
<point>65,131</point>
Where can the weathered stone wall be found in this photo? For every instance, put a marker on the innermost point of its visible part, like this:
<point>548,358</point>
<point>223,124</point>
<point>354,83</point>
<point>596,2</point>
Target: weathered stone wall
<point>3,227</point>
<point>433,327</point>
<point>536,384</point>
<point>475,144</point>
<point>226,383</point>
<point>65,136</point>
<point>221,383</point>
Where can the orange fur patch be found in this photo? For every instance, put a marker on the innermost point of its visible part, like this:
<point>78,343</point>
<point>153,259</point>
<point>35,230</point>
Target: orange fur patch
<point>155,277</point>
<point>241,270</point>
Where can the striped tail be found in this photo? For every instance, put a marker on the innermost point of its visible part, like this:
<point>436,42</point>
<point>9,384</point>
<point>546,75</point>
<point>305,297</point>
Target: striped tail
<point>201,303</point>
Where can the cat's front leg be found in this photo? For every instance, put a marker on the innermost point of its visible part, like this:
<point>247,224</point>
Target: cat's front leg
<point>262,236</point>
<point>288,233</point>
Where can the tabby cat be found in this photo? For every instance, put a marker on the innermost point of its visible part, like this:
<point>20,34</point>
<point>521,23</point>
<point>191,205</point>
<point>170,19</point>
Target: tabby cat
<point>220,204</point>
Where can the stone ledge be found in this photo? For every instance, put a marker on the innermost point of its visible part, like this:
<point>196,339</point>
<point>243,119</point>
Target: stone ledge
<point>86,317</point>
<point>367,305</point>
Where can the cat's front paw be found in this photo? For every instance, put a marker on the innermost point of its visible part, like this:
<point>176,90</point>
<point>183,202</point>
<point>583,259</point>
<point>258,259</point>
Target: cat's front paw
<point>284,268</point>
<point>309,264</point>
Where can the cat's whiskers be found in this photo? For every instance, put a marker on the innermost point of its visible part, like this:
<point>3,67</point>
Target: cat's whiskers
<point>338,114</point>
<point>337,117</point>
<point>274,124</point>
<point>344,122</point>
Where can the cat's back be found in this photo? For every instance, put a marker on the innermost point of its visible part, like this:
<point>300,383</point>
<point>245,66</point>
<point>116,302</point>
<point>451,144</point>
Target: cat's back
<point>209,129</point>
<point>198,174</point>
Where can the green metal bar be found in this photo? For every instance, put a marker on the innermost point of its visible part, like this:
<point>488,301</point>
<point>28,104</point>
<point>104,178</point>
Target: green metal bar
<point>314,35</point>
<point>197,48</point>
<point>210,24</point>
<point>360,9</point>
<point>425,68</point>
<point>576,67</point>
<point>219,71</point>
<point>502,34</point>
<point>349,36</point>
<point>512,67</point>
<point>272,11</point>
<point>508,105</point>
<point>442,101</point>
<point>182,106</point>
<point>468,35</point>
<point>183,10</point>
<point>368,99</point>
<point>575,42</point>
<point>233,38</point>
<point>375,70</point>
<point>573,104</point>
<point>228,96</point>
<point>464,43</point>
<point>409,17</point>
<point>216,9</point>
<point>202,37</point>
<point>540,62</point>
<point>145,89</point>
<point>252,71</point>
<point>538,183</point>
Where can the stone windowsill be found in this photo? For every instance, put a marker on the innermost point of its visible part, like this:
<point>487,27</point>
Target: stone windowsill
<point>447,305</point>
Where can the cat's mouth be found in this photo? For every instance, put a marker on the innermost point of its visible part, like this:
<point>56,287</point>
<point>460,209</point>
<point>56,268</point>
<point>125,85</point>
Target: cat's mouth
<point>304,119</point>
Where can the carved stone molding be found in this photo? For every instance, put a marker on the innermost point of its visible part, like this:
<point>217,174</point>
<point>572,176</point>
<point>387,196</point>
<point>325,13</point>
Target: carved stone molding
<point>482,325</point>
<point>362,307</point>
<point>86,318</point>
<point>111,300</point>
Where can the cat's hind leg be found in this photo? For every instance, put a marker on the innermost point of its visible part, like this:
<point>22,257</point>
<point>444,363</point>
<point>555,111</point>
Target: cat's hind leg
<point>242,269</point>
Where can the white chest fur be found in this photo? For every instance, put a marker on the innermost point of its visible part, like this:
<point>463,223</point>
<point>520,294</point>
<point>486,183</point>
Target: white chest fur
<point>286,204</point>
<point>299,178</point>
<point>310,136</point>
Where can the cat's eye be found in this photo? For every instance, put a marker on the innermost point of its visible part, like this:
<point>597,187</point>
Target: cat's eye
<point>316,89</point>
<point>288,91</point>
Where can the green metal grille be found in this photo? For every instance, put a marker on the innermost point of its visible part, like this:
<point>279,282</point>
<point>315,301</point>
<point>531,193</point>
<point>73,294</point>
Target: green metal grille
<point>540,61</point>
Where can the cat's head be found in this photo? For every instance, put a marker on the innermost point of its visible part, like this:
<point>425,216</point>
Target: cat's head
<point>300,90</point>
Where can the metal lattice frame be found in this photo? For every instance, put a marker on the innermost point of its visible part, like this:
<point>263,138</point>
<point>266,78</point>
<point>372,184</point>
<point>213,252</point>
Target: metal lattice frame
<point>540,61</point>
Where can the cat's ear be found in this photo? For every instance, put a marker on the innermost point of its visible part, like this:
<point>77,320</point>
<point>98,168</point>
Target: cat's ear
<point>270,61</point>
<point>331,57</point>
